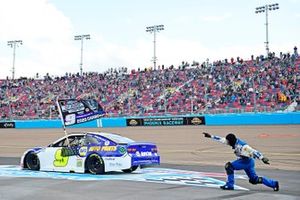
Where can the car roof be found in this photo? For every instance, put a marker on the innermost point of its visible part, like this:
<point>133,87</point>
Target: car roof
<point>112,136</point>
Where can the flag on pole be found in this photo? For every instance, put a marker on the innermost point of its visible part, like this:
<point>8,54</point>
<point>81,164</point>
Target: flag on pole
<point>76,111</point>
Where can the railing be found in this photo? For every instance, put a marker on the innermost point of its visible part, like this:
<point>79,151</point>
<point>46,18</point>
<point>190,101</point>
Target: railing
<point>257,109</point>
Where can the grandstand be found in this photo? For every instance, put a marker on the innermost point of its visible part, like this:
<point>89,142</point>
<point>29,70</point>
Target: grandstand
<point>258,85</point>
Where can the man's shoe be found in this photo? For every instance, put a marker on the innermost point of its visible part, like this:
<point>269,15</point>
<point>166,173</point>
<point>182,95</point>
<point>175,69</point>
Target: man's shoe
<point>226,187</point>
<point>276,188</point>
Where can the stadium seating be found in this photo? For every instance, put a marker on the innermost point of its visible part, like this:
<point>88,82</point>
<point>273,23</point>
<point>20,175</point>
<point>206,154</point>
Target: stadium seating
<point>260,85</point>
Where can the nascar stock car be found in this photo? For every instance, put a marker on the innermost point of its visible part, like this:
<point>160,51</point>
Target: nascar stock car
<point>91,152</point>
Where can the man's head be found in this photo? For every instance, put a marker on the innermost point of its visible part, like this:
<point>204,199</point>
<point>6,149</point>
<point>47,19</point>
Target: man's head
<point>231,139</point>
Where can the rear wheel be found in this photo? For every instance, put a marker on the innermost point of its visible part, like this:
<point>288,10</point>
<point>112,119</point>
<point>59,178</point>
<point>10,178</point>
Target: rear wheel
<point>131,169</point>
<point>32,161</point>
<point>95,164</point>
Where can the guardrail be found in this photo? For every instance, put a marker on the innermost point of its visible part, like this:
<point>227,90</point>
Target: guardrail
<point>248,109</point>
<point>190,120</point>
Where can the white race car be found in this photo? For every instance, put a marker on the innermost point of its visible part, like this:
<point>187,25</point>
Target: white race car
<point>95,153</point>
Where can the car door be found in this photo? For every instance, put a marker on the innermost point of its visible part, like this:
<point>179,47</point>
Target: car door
<point>62,156</point>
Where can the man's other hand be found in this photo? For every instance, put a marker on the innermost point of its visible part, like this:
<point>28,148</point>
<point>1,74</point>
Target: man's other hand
<point>206,135</point>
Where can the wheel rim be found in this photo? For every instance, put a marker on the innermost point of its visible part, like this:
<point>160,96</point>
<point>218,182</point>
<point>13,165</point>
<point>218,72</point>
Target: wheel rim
<point>95,165</point>
<point>32,161</point>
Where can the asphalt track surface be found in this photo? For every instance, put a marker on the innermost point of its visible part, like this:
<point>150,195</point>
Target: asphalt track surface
<point>181,148</point>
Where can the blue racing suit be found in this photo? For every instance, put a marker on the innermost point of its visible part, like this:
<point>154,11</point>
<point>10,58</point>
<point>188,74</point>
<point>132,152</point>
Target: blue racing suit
<point>245,161</point>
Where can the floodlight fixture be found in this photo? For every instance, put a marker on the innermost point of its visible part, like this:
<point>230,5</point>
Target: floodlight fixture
<point>13,44</point>
<point>266,9</point>
<point>154,29</point>
<point>81,38</point>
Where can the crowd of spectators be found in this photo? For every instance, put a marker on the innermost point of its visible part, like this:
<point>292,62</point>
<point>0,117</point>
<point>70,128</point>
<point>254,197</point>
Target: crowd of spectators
<point>261,84</point>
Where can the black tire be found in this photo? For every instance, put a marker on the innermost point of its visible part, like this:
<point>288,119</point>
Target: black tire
<point>32,161</point>
<point>95,164</point>
<point>131,169</point>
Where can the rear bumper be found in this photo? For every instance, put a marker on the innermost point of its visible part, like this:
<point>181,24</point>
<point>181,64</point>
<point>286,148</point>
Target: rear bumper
<point>145,161</point>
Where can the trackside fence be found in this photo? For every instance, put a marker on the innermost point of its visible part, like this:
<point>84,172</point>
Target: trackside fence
<point>292,118</point>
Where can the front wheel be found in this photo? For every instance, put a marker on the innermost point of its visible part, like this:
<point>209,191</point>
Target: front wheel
<point>131,169</point>
<point>95,164</point>
<point>32,161</point>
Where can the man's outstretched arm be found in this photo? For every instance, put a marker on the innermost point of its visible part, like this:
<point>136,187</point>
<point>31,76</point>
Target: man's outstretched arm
<point>215,138</point>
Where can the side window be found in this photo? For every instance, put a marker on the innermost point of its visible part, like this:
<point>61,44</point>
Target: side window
<point>64,143</point>
<point>61,143</point>
<point>89,140</point>
<point>75,140</point>
<point>92,140</point>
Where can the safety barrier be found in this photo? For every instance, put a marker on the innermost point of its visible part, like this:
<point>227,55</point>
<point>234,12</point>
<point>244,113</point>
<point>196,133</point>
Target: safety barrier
<point>253,119</point>
<point>209,120</point>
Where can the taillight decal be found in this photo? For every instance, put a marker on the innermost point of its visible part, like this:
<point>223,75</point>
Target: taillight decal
<point>154,150</point>
<point>131,150</point>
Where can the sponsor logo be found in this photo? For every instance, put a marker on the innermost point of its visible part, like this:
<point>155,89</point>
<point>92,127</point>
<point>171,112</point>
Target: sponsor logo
<point>122,150</point>
<point>70,119</point>
<point>196,121</point>
<point>133,122</point>
<point>147,153</point>
<point>7,124</point>
<point>79,162</point>
<point>109,159</point>
<point>109,148</point>
<point>95,148</point>
<point>83,151</point>
<point>115,164</point>
<point>103,148</point>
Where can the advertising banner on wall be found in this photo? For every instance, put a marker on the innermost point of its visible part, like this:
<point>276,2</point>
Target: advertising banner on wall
<point>7,125</point>
<point>166,121</point>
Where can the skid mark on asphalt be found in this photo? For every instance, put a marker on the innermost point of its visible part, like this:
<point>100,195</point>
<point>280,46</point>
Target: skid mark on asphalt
<point>155,175</point>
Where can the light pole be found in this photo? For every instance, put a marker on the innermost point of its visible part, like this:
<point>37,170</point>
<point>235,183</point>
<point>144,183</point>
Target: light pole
<point>266,9</point>
<point>13,44</point>
<point>81,37</point>
<point>154,29</point>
